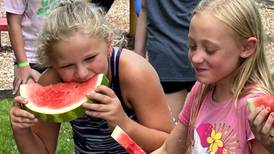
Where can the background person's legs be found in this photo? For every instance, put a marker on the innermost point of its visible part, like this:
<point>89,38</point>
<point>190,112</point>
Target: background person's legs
<point>175,102</point>
<point>176,93</point>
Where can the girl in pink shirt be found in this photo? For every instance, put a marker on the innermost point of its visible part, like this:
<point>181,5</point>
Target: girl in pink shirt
<point>226,49</point>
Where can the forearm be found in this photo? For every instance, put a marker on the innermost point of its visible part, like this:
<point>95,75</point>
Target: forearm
<point>40,138</point>
<point>29,143</point>
<point>141,31</point>
<point>148,138</point>
<point>16,36</point>
<point>259,148</point>
<point>270,148</point>
<point>175,142</point>
<point>161,150</point>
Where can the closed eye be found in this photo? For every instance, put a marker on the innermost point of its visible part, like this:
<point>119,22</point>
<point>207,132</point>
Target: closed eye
<point>210,50</point>
<point>89,59</point>
<point>66,66</point>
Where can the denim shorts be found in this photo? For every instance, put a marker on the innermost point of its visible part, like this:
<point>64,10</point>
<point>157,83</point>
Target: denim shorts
<point>171,87</point>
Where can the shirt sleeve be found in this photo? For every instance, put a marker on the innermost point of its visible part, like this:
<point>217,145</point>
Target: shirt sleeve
<point>15,6</point>
<point>249,134</point>
<point>184,115</point>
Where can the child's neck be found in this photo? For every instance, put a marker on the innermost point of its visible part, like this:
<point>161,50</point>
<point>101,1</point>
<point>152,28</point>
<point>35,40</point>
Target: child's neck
<point>222,92</point>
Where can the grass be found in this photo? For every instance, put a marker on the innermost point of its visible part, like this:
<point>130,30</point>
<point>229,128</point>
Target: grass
<point>7,143</point>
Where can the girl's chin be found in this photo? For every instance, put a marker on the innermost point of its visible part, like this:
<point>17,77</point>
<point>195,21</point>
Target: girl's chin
<point>204,80</point>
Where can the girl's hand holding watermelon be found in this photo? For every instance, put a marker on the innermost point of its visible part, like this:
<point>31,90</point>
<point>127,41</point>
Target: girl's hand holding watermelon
<point>23,76</point>
<point>107,106</point>
<point>261,121</point>
<point>21,119</point>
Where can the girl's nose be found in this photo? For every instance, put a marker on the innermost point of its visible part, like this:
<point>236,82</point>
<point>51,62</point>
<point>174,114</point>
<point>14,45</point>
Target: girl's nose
<point>196,57</point>
<point>82,73</point>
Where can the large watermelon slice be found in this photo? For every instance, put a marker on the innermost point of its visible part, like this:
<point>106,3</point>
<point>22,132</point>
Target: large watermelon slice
<point>59,102</point>
<point>267,101</point>
<point>126,142</point>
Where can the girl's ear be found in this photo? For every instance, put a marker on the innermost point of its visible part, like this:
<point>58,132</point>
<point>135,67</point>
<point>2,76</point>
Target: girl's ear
<point>109,46</point>
<point>249,45</point>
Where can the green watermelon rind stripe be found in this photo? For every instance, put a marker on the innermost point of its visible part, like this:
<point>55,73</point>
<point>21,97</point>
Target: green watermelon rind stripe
<point>251,103</point>
<point>73,114</point>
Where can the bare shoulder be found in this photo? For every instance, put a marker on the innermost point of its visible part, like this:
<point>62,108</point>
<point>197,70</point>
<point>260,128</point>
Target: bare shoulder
<point>135,67</point>
<point>49,77</point>
<point>137,76</point>
<point>142,91</point>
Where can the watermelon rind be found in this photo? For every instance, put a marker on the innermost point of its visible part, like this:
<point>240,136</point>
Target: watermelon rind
<point>67,114</point>
<point>126,142</point>
<point>116,132</point>
<point>252,106</point>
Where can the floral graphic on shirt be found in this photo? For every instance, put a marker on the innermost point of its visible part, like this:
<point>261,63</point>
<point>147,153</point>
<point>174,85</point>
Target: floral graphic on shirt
<point>216,139</point>
<point>46,6</point>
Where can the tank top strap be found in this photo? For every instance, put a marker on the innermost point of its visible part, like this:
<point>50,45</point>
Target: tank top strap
<point>115,84</point>
<point>114,62</point>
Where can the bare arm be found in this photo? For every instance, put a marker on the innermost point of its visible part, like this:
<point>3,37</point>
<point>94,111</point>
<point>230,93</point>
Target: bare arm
<point>176,141</point>
<point>41,138</point>
<point>16,37</point>
<point>258,148</point>
<point>141,30</point>
<point>31,135</point>
<point>142,91</point>
<point>22,75</point>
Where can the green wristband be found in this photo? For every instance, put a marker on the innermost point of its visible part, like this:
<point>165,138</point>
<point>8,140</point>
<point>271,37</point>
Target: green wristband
<point>23,64</point>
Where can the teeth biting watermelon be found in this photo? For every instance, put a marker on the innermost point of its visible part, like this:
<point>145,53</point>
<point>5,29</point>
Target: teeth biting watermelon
<point>126,142</point>
<point>59,102</point>
<point>266,101</point>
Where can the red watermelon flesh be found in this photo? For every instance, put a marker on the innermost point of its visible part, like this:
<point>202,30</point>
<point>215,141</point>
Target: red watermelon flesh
<point>60,95</point>
<point>59,102</point>
<point>266,101</point>
<point>126,142</point>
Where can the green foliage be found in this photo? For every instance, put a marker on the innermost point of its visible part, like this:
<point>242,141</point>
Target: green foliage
<point>7,143</point>
<point>65,141</point>
<point>6,139</point>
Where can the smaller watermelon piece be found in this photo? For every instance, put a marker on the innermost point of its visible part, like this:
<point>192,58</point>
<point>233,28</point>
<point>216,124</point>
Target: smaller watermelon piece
<point>126,142</point>
<point>60,102</point>
<point>266,101</point>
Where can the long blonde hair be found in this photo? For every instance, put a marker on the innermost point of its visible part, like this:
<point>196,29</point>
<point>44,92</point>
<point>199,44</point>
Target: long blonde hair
<point>74,16</point>
<point>243,17</point>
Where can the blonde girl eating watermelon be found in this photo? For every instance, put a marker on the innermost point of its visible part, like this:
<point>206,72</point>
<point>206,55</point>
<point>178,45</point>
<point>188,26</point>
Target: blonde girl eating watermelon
<point>76,44</point>
<point>226,49</point>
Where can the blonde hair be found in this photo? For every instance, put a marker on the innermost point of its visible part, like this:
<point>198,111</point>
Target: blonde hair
<point>244,19</point>
<point>73,16</point>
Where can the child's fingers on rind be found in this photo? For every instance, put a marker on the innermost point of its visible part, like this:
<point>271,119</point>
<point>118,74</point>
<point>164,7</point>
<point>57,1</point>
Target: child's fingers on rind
<point>261,117</point>
<point>268,124</point>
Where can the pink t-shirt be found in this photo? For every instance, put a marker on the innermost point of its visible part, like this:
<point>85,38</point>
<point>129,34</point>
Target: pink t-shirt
<point>221,127</point>
<point>34,13</point>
